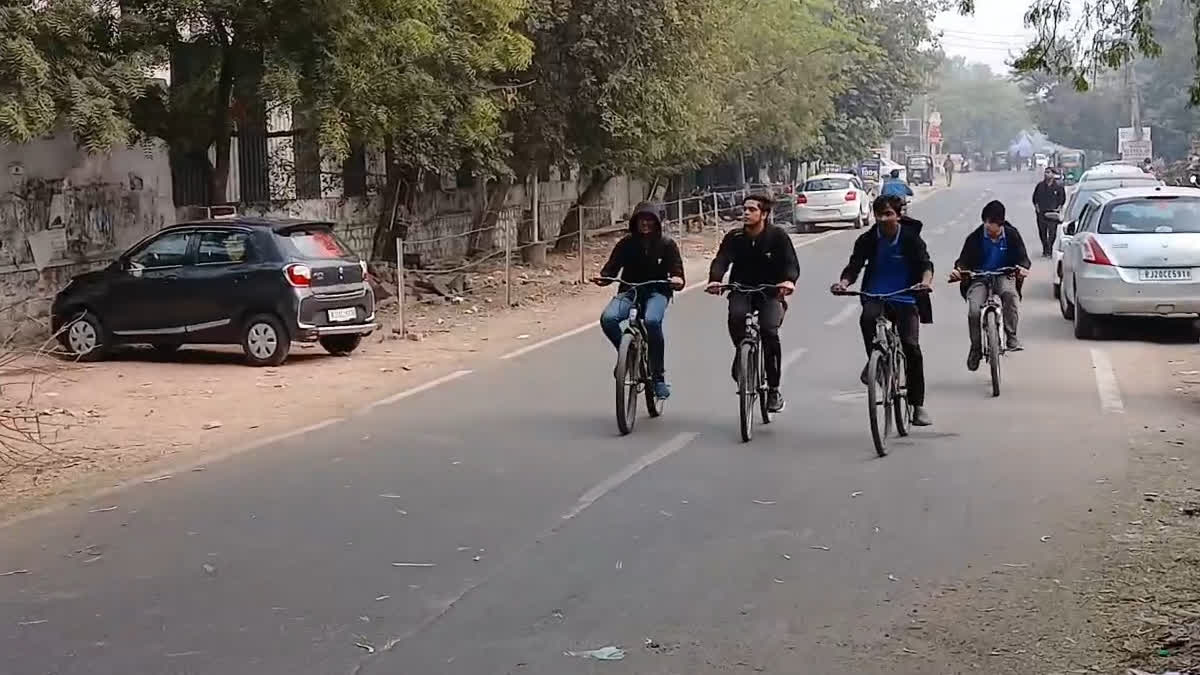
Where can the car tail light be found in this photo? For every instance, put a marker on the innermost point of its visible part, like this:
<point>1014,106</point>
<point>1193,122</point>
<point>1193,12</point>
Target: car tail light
<point>298,275</point>
<point>1094,254</point>
<point>851,196</point>
<point>801,199</point>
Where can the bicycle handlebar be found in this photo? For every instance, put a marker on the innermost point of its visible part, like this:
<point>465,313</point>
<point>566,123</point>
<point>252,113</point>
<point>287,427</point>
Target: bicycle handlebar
<point>632,284</point>
<point>1002,272</point>
<point>761,288</point>
<point>884,296</point>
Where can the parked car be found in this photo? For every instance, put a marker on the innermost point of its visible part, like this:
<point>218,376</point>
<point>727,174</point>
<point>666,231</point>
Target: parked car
<point>1132,251</point>
<point>833,198</point>
<point>259,283</point>
<point>1097,179</point>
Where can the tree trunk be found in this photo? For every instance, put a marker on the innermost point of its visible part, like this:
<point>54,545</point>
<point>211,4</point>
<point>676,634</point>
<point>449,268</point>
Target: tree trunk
<point>490,215</point>
<point>568,237</point>
<point>222,122</point>
<point>390,223</point>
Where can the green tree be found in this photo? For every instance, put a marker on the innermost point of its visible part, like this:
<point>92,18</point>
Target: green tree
<point>978,107</point>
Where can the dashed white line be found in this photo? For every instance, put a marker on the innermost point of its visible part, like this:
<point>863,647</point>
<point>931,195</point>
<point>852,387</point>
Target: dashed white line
<point>845,313</point>
<point>791,359</point>
<point>1106,383</point>
<point>679,442</point>
<point>416,390</point>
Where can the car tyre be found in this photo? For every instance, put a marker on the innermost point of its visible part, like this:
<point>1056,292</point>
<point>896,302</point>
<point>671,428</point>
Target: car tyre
<point>1057,291</point>
<point>1065,307</point>
<point>858,223</point>
<point>341,345</point>
<point>1087,326</point>
<point>85,338</point>
<point>265,341</point>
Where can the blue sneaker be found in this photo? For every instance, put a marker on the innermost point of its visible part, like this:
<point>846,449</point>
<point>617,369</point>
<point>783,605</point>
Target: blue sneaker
<point>662,390</point>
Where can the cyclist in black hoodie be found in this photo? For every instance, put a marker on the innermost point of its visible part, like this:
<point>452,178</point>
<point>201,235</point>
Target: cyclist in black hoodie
<point>645,254</point>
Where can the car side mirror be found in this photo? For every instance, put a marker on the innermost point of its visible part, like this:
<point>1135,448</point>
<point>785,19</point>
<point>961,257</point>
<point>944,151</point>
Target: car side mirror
<point>1070,230</point>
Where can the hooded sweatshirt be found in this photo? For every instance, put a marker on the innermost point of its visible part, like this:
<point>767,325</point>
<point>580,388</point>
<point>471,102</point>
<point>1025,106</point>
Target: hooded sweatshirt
<point>638,258</point>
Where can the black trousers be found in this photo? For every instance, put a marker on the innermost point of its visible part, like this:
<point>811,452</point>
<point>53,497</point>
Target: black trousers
<point>1047,232</point>
<point>908,324</point>
<point>770,318</point>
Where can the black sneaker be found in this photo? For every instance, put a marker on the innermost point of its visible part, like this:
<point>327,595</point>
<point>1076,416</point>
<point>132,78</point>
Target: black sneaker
<point>1014,345</point>
<point>973,359</point>
<point>775,402</point>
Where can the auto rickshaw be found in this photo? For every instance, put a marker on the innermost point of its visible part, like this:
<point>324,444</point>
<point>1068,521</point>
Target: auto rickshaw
<point>920,169</point>
<point>1071,164</point>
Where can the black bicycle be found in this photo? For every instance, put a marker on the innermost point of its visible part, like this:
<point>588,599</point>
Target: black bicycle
<point>992,321</point>
<point>887,374</point>
<point>633,374</point>
<point>751,367</point>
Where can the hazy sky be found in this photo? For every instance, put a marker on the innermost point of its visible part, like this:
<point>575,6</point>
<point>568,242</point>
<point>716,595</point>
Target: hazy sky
<point>992,35</point>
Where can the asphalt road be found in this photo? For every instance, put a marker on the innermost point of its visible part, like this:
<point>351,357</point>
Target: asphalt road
<point>495,521</point>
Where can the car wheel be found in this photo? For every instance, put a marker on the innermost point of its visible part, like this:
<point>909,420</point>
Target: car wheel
<point>1087,326</point>
<point>265,341</point>
<point>1057,291</point>
<point>858,223</point>
<point>1064,305</point>
<point>85,338</point>
<point>341,345</point>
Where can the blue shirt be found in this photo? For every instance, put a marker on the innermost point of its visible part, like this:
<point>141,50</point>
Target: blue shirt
<point>889,270</point>
<point>995,253</point>
<point>895,187</point>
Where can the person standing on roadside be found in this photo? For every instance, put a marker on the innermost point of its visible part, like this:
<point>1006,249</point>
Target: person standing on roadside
<point>1048,196</point>
<point>948,166</point>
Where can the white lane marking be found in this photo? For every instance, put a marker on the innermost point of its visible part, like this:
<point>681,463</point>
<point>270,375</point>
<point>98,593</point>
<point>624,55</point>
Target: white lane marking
<point>416,390</point>
<point>679,442</point>
<point>592,324</point>
<point>791,359</point>
<point>1106,383</point>
<point>845,313</point>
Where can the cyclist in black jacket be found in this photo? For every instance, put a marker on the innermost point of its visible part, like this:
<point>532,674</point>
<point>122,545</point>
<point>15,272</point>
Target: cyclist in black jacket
<point>761,254</point>
<point>645,254</point>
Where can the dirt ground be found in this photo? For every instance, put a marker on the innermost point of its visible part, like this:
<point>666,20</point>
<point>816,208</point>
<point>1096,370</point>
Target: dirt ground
<point>1123,598</point>
<point>104,422</point>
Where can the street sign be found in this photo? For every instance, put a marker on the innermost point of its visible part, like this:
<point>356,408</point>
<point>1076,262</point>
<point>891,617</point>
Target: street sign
<point>1136,150</point>
<point>1126,134</point>
<point>935,134</point>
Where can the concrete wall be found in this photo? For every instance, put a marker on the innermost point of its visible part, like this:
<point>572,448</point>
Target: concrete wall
<point>63,212</point>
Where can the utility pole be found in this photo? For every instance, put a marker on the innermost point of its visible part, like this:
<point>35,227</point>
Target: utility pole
<point>1135,101</point>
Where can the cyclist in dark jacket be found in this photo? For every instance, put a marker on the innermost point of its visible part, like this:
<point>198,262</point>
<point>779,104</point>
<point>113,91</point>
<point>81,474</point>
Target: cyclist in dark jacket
<point>645,254</point>
<point>895,258</point>
<point>761,254</point>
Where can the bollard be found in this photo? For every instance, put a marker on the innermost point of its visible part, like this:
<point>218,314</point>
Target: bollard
<point>400,286</point>
<point>582,261</point>
<point>508,300</point>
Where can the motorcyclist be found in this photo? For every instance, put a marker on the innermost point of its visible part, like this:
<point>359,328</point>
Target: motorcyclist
<point>893,186</point>
<point>645,254</point>
<point>1049,195</point>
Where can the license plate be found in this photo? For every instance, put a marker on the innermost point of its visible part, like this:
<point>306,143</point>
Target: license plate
<point>1165,274</point>
<point>345,314</point>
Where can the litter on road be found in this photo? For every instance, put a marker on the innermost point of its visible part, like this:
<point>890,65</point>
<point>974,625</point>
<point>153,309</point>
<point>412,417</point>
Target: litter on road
<point>14,573</point>
<point>763,503</point>
<point>819,548</point>
<point>855,494</point>
<point>104,510</point>
<point>1046,539</point>
<point>602,654</point>
<point>413,564</point>
<point>160,478</point>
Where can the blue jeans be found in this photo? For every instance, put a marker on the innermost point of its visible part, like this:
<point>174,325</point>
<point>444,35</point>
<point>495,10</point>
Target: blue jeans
<point>654,310</point>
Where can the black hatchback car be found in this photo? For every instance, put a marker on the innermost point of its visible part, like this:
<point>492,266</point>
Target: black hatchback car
<point>255,282</point>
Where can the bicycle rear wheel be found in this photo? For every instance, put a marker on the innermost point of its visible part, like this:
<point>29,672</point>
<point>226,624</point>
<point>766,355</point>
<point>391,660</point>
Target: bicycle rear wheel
<point>879,408</point>
<point>899,393</point>
<point>993,348</point>
<point>627,377</point>
<point>760,386</point>
<point>747,389</point>
<point>654,404</point>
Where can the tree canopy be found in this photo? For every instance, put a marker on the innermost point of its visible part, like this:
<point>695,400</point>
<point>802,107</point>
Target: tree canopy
<point>980,109</point>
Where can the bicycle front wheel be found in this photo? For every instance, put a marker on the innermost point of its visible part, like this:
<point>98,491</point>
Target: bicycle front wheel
<point>654,404</point>
<point>747,388</point>
<point>760,385</point>
<point>899,393</point>
<point>993,347</point>
<point>879,408</point>
<point>627,377</point>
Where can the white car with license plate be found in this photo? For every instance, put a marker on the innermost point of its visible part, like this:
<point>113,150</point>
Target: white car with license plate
<point>1132,252</point>
<point>833,198</point>
<point>1097,179</point>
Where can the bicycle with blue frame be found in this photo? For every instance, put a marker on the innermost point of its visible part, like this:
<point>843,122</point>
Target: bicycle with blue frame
<point>633,374</point>
<point>887,372</point>
<point>751,366</point>
<point>991,319</point>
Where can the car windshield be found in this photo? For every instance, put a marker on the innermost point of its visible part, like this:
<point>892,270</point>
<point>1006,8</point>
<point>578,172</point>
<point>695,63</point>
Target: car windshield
<point>918,162</point>
<point>1080,198</point>
<point>1153,215</point>
<point>826,184</point>
<point>315,243</point>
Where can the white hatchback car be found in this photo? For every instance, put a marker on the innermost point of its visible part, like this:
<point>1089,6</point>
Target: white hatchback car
<point>1097,179</point>
<point>833,198</point>
<point>1132,252</point>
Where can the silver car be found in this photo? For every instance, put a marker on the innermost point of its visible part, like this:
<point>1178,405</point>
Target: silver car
<point>1094,180</point>
<point>1132,252</point>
